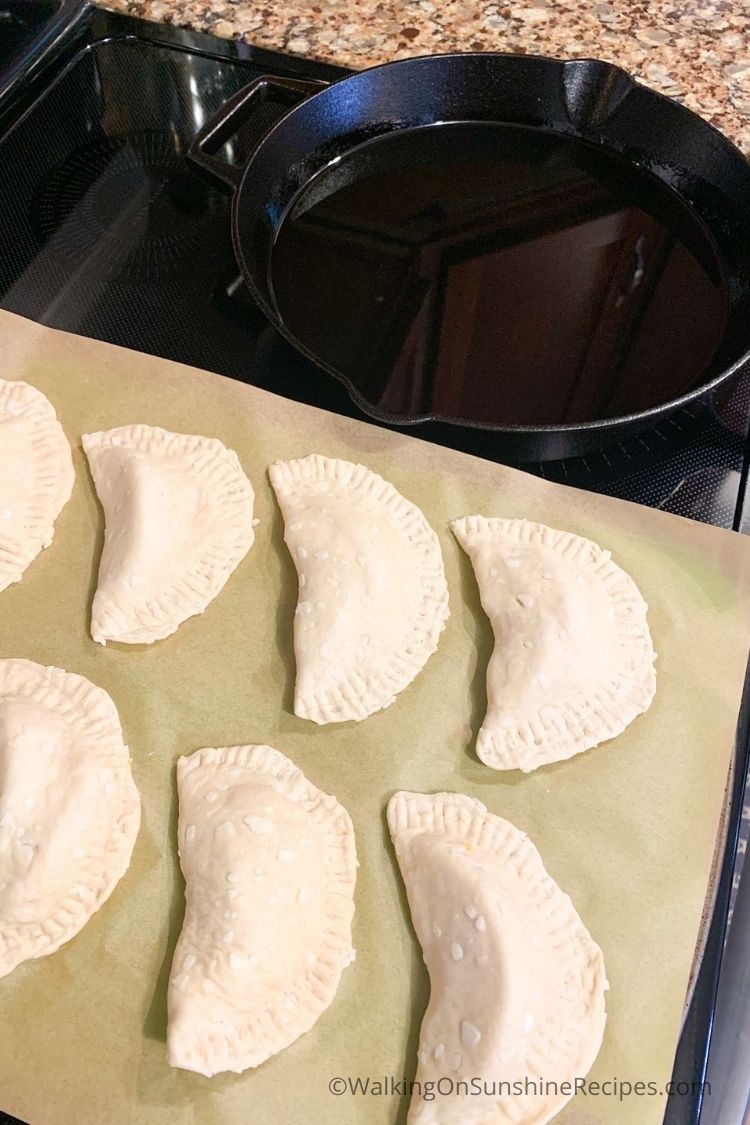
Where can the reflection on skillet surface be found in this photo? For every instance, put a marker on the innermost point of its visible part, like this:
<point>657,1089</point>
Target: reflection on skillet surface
<point>499,274</point>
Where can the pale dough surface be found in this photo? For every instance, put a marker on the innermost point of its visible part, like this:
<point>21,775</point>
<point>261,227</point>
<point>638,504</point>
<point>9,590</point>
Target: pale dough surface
<point>270,867</point>
<point>36,476</point>
<point>373,598</point>
<point>179,520</point>
<point>516,982</point>
<point>573,662</point>
<point>69,809</point>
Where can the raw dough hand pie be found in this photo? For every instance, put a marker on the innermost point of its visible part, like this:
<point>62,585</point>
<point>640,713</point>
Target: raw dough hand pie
<point>373,598</point>
<point>573,663</point>
<point>69,810</point>
<point>179,513</point>
<point>516,982</point>
<point>36,476</point>
<point>270,865</point>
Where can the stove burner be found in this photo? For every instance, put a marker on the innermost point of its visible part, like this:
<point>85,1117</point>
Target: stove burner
<point>128,207</point>
<point>632,455</point>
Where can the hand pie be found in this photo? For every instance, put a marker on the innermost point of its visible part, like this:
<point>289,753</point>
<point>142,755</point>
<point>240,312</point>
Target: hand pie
<point>373,598</point>
<point>36,476</point>
<point>516,982</point>
<point>179,519</point>
<point>573,663</point>
<point>270,865</point>
<point>69,810</point>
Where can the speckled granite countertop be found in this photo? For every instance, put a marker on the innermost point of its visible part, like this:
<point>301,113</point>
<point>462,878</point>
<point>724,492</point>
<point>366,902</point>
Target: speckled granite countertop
<point>696,51</point>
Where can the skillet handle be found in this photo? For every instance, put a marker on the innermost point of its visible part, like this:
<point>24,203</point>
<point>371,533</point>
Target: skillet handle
<point>233,114</point>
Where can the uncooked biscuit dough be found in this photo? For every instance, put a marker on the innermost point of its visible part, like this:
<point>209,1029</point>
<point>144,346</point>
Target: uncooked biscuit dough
<point>573,662</point>
<point>270,866</point>
<point>373,598</point>
<point>69,810</point>
<point>516,982</point>
<point>36,476</point>
<point>179,519</point>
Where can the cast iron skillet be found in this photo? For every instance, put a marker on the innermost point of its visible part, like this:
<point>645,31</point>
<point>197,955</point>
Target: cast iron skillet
<point>587,99</point>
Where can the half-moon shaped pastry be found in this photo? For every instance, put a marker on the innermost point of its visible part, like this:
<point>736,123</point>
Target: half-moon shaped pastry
<point>573,662</point>
<point>516,982</point>
<point>69,810</point>
<point>179,519</point>
<point>373,598</point>
<point>270,866</point>
<point>36,476</point>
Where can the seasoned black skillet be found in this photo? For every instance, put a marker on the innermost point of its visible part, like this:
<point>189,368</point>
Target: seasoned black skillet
<point>590,101</point>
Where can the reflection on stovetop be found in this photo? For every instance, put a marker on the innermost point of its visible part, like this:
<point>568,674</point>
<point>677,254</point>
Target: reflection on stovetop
<point>20,21</point>
<point>107,231</point>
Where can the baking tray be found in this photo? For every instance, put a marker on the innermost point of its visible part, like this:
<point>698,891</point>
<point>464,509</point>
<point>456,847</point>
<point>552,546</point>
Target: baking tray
<point>628,829</point>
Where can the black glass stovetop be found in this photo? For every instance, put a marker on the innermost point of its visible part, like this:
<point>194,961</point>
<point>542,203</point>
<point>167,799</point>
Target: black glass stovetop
<point>106,231</point>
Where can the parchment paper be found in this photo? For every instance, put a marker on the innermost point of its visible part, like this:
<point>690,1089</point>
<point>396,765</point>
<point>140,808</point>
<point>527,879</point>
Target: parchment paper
<point>626,829</point>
